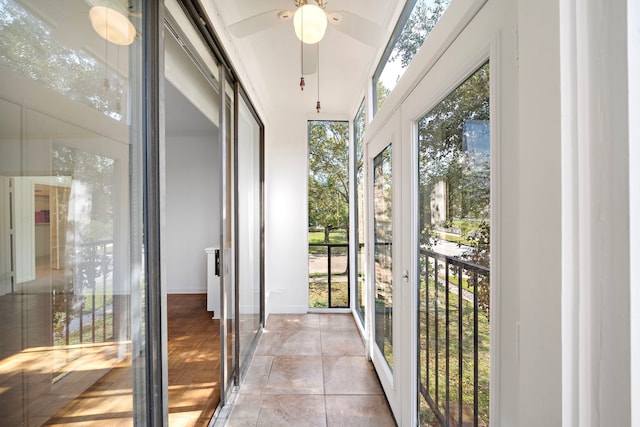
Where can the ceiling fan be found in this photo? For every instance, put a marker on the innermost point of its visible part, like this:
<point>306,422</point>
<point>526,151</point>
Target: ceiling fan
<point>344,21</point>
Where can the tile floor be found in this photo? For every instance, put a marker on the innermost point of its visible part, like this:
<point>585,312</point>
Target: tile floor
<point>311,370</point>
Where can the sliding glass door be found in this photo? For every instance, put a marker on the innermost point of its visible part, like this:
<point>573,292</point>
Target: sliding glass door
<point>249,258</point>
<point>74,282</point>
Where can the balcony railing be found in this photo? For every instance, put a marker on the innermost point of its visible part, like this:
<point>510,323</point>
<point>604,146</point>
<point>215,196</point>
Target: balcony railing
<point>329,275</point>
<point>453,336</point>
<point>83,312</point>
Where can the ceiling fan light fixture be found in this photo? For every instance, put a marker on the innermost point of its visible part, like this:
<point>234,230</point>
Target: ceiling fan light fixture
<point>310,23</point>
<point>109,20</point>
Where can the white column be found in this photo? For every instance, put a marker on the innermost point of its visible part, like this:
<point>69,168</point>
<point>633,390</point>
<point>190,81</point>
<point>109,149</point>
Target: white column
<point>596,214</point>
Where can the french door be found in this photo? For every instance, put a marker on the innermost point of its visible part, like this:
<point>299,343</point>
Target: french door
<point>389,284</point>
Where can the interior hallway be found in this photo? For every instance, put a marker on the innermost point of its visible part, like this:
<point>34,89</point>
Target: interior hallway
<point>311,370</point>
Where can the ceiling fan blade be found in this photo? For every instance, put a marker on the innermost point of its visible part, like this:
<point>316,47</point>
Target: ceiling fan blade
<point>310,59</point>
<point>358,27</point>
<point>256,23</point>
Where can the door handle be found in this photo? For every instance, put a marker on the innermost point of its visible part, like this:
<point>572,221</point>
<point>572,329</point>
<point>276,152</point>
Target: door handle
<point>217,262</point>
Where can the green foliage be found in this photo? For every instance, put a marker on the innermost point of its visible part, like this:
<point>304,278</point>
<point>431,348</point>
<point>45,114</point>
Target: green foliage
<point>328,175</point>
<point>381,94</point>
<point>444,157</point>
<point>478,242</point>
<point>423,19</point>
<point>96,173</point>
<point>29,48</point>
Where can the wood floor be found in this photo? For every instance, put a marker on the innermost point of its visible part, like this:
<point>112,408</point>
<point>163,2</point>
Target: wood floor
<point>107,400</point>
<point>194,362</point>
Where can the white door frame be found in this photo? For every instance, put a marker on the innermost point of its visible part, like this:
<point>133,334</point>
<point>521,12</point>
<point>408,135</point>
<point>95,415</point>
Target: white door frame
<point>392,381</point>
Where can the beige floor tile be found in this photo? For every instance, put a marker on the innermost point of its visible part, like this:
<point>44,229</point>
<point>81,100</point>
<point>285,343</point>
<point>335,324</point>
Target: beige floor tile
<point>341,343</point>
<point>295,375</point>
<point>337,321</point>
<point>339,388</point>
<point>304,342</point>
<point>358,410</point>
<point>257,375</point>
<point>270,343</point>
<point>293,321</point>
<point>292,410</point>
<point>349,375</point>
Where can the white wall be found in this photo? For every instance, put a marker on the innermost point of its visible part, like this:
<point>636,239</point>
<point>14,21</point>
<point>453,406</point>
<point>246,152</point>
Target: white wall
<point>286,259</point>
<point>192,210</point>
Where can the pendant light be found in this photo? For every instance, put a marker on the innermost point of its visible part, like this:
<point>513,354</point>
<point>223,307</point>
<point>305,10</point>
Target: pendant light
<point>109,19</point>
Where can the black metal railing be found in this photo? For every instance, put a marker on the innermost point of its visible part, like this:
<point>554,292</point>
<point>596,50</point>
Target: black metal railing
<point>83,312</point>
<point>324,279</point>
<point>453,334</point>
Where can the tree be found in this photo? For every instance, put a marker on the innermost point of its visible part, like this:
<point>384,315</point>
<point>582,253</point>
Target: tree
<point>446,153</point>
<point>29,48</point>
<point>328,175</point>
<point>421,22</point>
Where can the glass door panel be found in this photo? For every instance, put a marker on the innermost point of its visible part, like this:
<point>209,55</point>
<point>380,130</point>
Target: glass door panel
<point>249,248</point>
<point>386,327</point>
<point>454,256</point>
<point>228,278</point>
<point>73,315</point>
<point>358,212</point>
<point>382,253</point>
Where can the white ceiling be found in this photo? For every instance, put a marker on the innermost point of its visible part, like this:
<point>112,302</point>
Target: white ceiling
<point>272,56</point>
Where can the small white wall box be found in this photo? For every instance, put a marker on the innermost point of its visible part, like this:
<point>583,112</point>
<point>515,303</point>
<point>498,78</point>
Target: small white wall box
<point>213,281</point>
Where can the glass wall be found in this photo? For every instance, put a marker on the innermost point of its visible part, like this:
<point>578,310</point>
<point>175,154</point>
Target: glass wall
<point>328,190</point>
<point>454,256</point>
<point>249,208</point>
<point>72,291</point>
<point>359,124</point>
<point>228,320</point>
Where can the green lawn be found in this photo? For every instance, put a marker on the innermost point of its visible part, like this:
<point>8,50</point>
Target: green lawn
<point>466,340</point>
<point>335,236</point>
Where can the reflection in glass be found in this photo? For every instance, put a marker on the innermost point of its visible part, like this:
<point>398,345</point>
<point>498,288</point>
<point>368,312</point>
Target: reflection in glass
<point>71,259</point>
<point>228,342</point>
<point>454,256</point>
<point>359,124</point>
<point>383,256</point>
<point>249,234</point>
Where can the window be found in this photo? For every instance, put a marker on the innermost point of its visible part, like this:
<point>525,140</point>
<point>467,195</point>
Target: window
<point>416,22</point>
<point>454,255</point>
<point>328,188</point>
<point>359,123</point>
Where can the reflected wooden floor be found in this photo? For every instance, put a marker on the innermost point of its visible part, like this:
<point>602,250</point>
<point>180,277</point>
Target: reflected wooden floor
<point>193,362</point>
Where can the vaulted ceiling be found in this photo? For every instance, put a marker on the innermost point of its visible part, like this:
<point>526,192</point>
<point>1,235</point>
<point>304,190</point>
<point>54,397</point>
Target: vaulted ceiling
<point>273,55</point>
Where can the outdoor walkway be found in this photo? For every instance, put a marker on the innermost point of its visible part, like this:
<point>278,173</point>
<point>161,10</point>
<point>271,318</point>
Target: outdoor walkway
<point>310,370</point>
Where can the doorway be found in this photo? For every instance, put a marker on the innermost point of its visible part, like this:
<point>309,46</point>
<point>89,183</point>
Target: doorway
<point>191,218</point>
<point>213,227</point>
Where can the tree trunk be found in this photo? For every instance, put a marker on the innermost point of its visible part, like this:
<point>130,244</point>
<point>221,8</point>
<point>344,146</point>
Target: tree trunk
<point>327,230</point>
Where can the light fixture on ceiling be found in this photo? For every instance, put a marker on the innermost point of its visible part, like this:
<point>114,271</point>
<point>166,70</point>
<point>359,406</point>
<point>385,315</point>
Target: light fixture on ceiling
<point>310,22</point>
<point>109,19</point>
